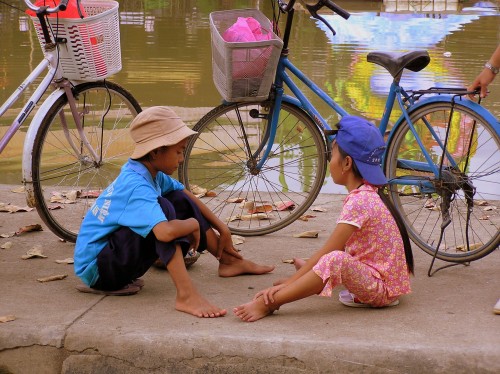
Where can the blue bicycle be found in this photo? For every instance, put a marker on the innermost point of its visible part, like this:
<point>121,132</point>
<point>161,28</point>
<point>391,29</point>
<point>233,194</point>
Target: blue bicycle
<point>260,163</point>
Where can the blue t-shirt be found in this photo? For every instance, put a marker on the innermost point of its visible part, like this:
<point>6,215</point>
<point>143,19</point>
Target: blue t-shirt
<point>130,201</point>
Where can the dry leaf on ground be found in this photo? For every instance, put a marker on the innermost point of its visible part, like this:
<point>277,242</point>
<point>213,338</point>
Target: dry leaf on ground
<point>472,247</point>
<point>52,278</point>
<point>198,191</point>
<point>306,234</point>
<point>8,318</point>
<point>29,228</point>
<point>490,208</point>
<point>261,209</point>
<point>318,209</point>
<point>8,235</point>
<point>6,245</point>
<point>237,239</point>
<point>19,189</point>
<point>35,252</point>
<point>68,260</point>
<point>291,261</point>
<point>284,205</point>
<point>306,217</point>
<point>8,208</point>
<point>235,200</point>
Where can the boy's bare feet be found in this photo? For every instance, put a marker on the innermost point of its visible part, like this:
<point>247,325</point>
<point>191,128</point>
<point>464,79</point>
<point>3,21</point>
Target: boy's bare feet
<point>231,267</point>
<point>198,306</point>
<point>253,311</point>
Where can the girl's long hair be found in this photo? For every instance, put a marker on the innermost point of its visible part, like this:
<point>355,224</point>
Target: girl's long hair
<point>394,212</point>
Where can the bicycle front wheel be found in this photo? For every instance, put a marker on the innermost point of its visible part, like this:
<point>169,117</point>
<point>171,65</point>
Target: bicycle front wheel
<point>222,159</point>
<point>66,176</point>
<point>465,193</point>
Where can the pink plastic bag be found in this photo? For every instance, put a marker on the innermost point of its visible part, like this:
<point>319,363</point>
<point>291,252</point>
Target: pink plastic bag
<point>252,62</point>
<point>245,30</point>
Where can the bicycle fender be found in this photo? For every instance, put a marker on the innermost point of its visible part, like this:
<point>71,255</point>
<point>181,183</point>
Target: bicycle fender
<point>30,141</point>
<point>473,106</point>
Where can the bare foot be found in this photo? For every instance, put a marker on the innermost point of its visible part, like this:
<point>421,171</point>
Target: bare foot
<point>253,311</point>
<point>298,262</point>
<point>198,306</point>
<point>238,267</point>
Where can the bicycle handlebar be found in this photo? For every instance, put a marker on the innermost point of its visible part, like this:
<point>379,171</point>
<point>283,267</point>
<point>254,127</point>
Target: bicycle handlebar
<point>62,6</point>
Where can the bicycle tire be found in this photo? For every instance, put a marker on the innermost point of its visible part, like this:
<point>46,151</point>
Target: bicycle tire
<point>65,183</point>
<point>421,207</point>
<point>294,172</point>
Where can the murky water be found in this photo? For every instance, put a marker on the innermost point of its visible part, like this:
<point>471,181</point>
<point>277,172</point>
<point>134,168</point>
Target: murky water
<point>166,53</point>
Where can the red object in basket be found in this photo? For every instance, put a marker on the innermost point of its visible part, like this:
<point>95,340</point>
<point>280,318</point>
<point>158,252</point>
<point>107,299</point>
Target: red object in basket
<point>70,12</point>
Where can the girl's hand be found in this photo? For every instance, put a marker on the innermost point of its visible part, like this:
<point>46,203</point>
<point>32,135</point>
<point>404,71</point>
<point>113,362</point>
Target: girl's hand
<point>225,244</point>
<point>268,293</point>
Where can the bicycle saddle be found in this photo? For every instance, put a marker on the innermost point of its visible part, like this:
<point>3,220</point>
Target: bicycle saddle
<point>395,62</point>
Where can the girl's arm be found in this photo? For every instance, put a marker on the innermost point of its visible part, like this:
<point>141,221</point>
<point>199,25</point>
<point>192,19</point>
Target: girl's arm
<point>225,241</point>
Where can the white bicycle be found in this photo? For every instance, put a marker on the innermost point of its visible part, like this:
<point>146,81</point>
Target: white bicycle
<point>78,138</point>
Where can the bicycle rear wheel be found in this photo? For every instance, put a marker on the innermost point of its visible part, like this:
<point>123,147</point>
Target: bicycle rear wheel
<point>474,181</point>
<point>250,201</point>
<point>66,178</point>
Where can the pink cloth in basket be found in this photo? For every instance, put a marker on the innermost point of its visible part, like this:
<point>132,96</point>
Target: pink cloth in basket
<point>248,62</point>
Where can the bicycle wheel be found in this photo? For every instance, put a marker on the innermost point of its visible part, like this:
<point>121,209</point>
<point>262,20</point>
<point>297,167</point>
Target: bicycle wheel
<point>251,201</point>
<point>66,178</point>
<point>427,202</point>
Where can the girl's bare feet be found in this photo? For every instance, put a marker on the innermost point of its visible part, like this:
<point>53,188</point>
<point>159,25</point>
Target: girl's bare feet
<point>253,311</point>
<point>198,306</point>
<point>234,267</point>
<point>298,262</point>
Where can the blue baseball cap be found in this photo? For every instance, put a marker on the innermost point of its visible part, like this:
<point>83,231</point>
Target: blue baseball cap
<point>362,141</point>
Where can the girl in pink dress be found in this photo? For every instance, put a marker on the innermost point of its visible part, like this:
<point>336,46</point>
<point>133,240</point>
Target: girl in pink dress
<point>369,251</point>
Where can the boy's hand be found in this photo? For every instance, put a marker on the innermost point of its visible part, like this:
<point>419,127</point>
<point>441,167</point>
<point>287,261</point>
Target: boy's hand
<point>226,245</point>
<point>194,237</point>
<point>268,293</point>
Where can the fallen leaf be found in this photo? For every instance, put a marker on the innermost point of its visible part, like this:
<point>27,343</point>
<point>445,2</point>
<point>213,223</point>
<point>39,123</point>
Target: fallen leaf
<point>249,217</point>
<point>284,205</point>
<point>211,194</point>
<point>8,235</point>
<point>490,208</point>
<point>8,208</point>
<point>52,278</point>
<point>299,128</point>
<point>237,239</point>
<point>235,200</point>
<point>198,191</point>
<point>29,228</point>
<point>318,209</point>
<point>481,202</point>
<point>54,207</point>
<point>484,217</point>
<point>247,205</point>
<point>8,318</point>
<point>68,260</point>
<point>261,209</point>
<point>306,234</point>
<point>90,194</point>
<point>35,252</point>
<point>306,217</point>
<point>291,261</point>
<point>429,204</point>
<point>19,189</point>
<point>472,247</point>
<point>6,245</point>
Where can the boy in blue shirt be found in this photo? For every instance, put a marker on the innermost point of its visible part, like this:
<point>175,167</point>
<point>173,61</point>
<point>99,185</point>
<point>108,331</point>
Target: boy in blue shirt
<point>145,215</point>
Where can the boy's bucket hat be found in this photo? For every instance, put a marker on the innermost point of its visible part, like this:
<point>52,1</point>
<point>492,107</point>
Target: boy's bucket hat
<point>156,127</point>
<point>362,141</point>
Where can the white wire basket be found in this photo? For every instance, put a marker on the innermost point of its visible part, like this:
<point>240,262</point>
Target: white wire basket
<point>243,71</point>
<point>92,51</point>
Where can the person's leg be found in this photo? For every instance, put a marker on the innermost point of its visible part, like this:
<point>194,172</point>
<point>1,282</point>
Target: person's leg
<point>188,299</point>
<point>307,285</point>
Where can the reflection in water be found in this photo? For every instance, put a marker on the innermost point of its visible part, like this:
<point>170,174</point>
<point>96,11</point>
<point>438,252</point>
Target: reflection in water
<point>166,54</point>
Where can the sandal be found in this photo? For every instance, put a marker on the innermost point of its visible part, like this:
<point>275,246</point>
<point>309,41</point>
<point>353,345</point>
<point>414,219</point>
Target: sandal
<point>129,289</point>
<point>349,299</point>
<point>189,260</point>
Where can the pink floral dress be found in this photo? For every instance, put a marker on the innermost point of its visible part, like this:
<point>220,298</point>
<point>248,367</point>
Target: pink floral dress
<point>372,265</point>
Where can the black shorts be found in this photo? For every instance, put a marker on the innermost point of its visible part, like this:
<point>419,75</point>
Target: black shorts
<point>127,256</point>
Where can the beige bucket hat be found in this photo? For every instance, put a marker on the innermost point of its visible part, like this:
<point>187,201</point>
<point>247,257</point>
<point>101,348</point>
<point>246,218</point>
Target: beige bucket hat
<point>156,127</point>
